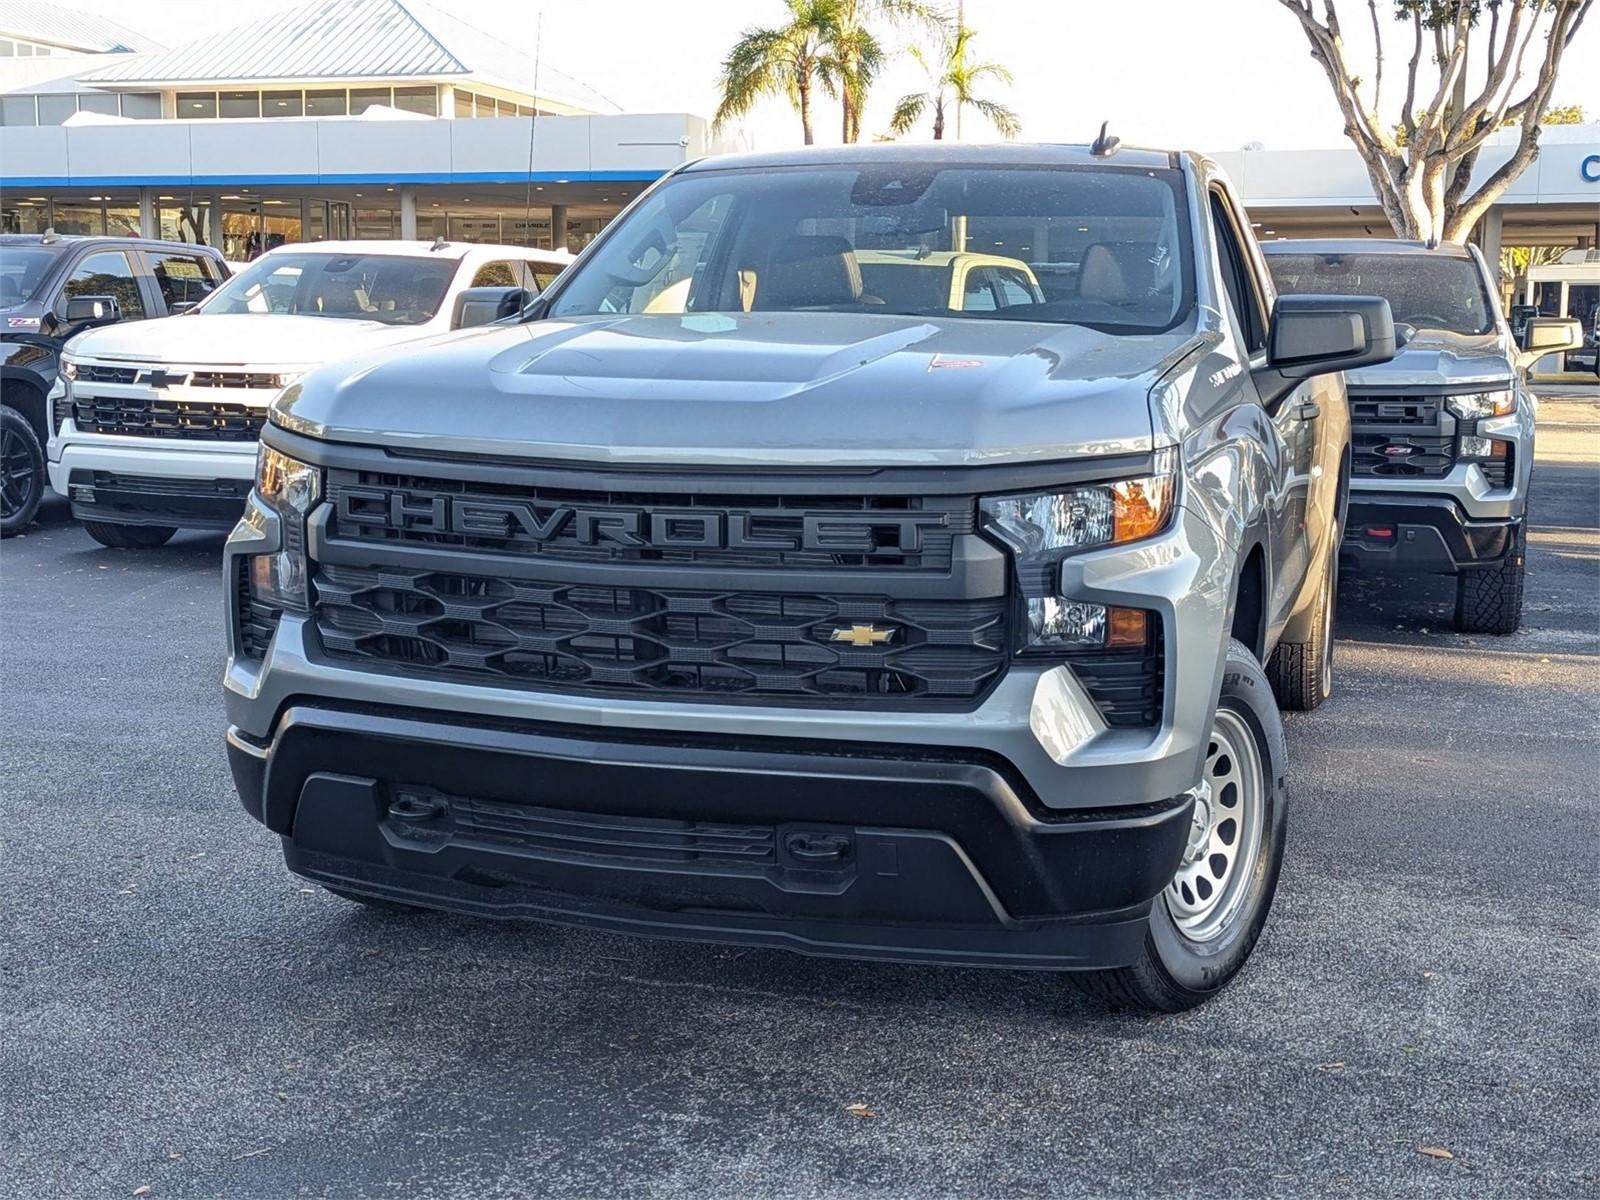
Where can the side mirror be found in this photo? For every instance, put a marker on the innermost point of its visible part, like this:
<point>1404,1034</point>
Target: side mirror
<point>179,307</point>
<point>483,305</point>
<point>93,310</point>
<point>1318,335</point>
<point>1549,335</point>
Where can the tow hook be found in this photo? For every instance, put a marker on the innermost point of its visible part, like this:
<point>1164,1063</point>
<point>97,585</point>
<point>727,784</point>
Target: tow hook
<point>412,808</point>
<point>814,847</point>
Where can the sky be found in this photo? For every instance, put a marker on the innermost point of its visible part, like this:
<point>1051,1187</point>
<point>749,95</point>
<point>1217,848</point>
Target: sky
<point>1203,74</point>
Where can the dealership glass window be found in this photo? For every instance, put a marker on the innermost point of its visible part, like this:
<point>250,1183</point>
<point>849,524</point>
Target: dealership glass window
<point>184,222</point>
<point>240,104</point>
<point>99,102</point>
<point>327,104</point>
<point>375,223</point>
<point>339,221</point>
<point>316,213</point>
<point>78,216</point>
<point>54,110</point>
<point>485,106</point>
<point>197,106</point>
<point>24,216</point>
<point>18,110</point>
<point>429,226</point>
<point>122,216</point>
<point>142,106</point>
<point>362,99</point>
<point>282,104</point>
<point>423,100</point>
<point>463,103</point>
<point>474,229</point>
<point>107,273</point>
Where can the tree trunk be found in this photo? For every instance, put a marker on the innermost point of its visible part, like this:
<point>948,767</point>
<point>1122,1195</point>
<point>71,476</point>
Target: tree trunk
<point>938,122</point>
<point>804,91</point>
<point>847,106</point>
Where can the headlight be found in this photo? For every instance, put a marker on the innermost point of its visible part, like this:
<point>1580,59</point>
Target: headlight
<point>1042,528</point>
<point>290,488</point>
<point>1472,405</point>
<point>69,369</point>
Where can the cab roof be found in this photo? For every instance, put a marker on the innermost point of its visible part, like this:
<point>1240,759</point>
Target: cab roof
<point>1360,246</point>
<point>1007,154</point>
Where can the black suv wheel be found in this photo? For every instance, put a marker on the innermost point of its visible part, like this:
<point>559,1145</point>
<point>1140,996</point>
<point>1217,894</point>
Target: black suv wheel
<point>21,472</point>
<point>1489,599</point>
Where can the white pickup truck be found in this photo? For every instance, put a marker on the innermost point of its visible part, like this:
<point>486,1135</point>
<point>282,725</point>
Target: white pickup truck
<point>155,422</point>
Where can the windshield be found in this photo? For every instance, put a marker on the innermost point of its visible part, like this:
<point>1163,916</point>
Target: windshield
<point>1425,291</point>
<point>1098,246</point>
<point>393,289</point>
<point>22,268</point>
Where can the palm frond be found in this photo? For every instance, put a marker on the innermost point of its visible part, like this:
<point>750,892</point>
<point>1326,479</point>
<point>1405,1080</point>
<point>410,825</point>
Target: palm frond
<point>1006,122</point>
<point>908,112</point>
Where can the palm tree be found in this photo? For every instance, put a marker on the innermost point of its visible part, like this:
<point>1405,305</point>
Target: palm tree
<point>855,53</point>
<point>953,82</point>
<point>789,61</point>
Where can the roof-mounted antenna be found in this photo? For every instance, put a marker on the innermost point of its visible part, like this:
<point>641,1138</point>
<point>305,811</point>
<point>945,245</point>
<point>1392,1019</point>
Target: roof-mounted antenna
<point>1107,143</point>
<point>49,236</point>
<point>439,243</point>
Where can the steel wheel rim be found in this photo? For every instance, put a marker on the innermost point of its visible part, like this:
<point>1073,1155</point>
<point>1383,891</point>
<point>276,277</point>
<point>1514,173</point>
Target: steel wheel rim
<point>16,474</point>
<point>1225,834</point>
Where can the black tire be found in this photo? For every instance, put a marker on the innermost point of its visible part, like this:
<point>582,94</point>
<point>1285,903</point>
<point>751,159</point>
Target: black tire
<point>22,473</point>
<point>1301,673</point>
<point>1489,599</point>
<point>375,902</point>
<point>129,537</point>
<point>1177,970</point>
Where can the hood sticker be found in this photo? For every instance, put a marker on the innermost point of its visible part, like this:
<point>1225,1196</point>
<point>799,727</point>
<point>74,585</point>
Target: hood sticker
<point>709,323</point>
<point>940,363</point>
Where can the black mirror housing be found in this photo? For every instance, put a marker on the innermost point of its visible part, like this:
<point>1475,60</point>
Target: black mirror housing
<point>484,305</point>
<point>1318,335</point>
<point>93,310</point>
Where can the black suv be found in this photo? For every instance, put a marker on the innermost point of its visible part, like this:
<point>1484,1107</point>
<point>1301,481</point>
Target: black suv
<point>52,287</point>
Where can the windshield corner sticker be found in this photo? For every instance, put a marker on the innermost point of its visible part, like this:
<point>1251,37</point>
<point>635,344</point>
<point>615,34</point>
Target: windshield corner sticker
<point>22,322</point>
<point>940,363</point>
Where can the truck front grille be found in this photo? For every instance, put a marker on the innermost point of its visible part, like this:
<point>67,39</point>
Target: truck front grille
<point>669,643</point>
<point>1400,437</point>
<point>165,417</point>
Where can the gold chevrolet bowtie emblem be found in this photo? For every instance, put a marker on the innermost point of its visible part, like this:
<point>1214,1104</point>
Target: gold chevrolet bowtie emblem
<point>863,635</point>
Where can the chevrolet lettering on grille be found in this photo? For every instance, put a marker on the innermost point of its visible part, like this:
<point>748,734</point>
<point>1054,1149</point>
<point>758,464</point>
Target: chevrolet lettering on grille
<point>524,521</point>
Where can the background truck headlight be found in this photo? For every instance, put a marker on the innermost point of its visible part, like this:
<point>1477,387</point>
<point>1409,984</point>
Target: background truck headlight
<point>1472,405</point>
<point>289,488</point>
<point>1042,528</point>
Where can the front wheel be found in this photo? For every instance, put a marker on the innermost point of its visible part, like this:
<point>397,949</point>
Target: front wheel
<point>128,537</point>
<point>1489,599</point>
<point>21,472</point>
<point>1209,918</point>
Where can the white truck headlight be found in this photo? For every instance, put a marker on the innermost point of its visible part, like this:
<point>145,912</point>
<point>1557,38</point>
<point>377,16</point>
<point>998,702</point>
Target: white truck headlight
<point>291,489</point>
<point>1472,405</point>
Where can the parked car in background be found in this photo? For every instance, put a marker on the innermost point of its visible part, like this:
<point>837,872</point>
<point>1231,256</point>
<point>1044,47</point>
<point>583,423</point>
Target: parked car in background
<point>51,288</point>
<point>1443,433</point>
<point>793,615</point>
<point>156,426</point>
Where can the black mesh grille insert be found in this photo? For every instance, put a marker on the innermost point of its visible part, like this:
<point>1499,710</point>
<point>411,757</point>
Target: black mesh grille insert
<point>256,621</point>
<point>1127,686</point>
<point>790,648</point>
<point>886,533</point>
<point>164,417</point>
<point>1400,437</point>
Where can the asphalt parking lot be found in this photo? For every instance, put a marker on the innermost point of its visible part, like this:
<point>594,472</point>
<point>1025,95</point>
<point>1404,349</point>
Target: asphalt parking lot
<point>179,1013</point>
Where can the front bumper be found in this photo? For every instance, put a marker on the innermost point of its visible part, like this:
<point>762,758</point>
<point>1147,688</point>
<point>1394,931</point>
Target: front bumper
<point>145,481</point>
<point>1423,534</point>
<point>882,851</point>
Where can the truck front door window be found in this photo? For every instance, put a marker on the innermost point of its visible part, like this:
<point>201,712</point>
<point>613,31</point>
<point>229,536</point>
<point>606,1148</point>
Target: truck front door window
<point>107,273</point>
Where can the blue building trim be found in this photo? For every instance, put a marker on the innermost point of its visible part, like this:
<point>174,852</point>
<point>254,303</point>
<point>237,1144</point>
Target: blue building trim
<point>211,181</point>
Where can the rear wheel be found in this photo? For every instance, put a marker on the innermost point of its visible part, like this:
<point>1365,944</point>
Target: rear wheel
<point>21,472</point>
<point>1302,672</point>
<point>128,537</point>
<point>1208,920</point>
<point>1489,599</point>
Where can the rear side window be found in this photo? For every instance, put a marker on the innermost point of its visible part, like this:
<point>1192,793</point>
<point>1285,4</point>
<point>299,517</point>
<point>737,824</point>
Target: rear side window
<point>108,273</point>
<point>184,278</point>
<point>499,274</point>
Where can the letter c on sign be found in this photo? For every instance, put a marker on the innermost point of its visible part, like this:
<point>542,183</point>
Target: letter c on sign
<point>1589,168</point>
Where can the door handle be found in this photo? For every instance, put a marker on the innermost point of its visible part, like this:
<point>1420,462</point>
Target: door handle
<point>1308,410</point>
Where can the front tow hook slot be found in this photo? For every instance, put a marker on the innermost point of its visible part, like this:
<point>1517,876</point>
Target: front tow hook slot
<point>410,808</point>
<point>814,848</point>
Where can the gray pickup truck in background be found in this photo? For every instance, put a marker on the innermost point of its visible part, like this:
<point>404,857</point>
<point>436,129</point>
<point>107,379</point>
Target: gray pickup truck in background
<point>722,597</point>
<point>1443,433</point>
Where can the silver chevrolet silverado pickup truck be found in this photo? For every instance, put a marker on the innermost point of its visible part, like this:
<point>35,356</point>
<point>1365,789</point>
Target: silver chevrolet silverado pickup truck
<point>1442,435</point>
<point>723,596</point>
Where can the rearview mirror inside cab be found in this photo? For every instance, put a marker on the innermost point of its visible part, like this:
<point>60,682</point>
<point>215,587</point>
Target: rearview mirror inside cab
<point>1316,335</point>
<point>483,305</point>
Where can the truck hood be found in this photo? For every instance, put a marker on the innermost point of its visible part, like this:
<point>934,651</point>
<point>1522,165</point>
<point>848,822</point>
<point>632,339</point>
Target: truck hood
<point>748,389</point>
<point>1436,359</point>
<point>242,339</point>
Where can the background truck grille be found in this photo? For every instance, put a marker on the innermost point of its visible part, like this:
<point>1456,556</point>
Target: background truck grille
<point>668,643</point>
<point>1400,437</point>
<point>776,520</point>
<point>164,417</point>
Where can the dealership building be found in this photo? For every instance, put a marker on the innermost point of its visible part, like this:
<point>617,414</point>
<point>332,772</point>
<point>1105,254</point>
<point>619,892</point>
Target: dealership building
<point>391,118</point>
